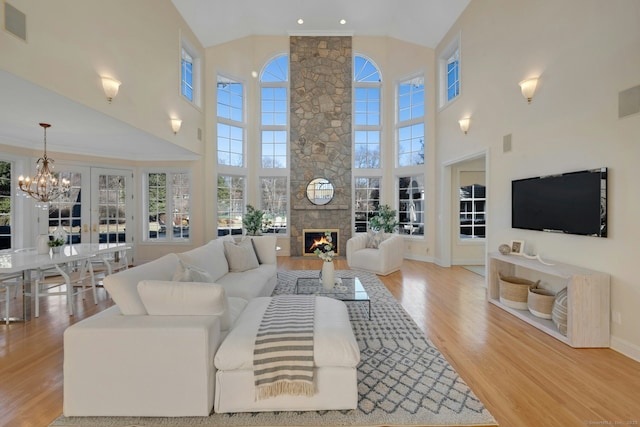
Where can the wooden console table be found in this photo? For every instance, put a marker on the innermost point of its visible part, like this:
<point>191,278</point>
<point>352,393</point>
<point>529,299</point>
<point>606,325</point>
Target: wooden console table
<point>588,291</point>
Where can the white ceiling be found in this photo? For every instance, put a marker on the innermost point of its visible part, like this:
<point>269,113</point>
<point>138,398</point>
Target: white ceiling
<point>422,22</point>
<point>81,130</point>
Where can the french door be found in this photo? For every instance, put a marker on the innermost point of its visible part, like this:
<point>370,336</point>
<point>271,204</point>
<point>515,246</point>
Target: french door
<point>98,208</point>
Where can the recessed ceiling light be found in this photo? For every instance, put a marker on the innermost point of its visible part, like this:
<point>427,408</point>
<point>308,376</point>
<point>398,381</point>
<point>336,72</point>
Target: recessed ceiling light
<point>300,21</point>
<point>343,21</point>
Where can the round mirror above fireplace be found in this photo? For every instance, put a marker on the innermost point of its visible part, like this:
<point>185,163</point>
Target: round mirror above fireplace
<point>320,191</point>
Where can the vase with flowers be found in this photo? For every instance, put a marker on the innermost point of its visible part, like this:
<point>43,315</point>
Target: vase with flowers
<point>324,251</point>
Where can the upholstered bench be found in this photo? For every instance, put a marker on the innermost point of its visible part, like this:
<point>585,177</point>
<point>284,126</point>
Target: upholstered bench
<point>336,355</point>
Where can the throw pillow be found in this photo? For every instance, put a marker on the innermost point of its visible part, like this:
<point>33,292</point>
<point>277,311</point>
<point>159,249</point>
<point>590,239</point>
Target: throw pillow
<point>191,273</point>
<point>559,311</point>
<point>162,298</point>
<point>240,256</point>
<point>374,238</point>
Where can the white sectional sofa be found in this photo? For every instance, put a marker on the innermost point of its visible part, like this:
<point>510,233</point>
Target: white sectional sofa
<point>153,353</point>
<point>124,361</point>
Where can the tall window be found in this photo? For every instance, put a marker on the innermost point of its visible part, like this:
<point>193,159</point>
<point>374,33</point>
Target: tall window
<point>366,113</point>
<point>167,206</point>
<point>411,204</point>
<point>453,77</point>
<point>449,73</point>
<point>65,212</point>
<point>190,65</point>
<point>367,200</point>
<point>410,122</point>
<point>274,120</point>
<point>273,200</point>
<point>367,130</point>
<point>5,205</point>
<point>230,122</point>
<point>231,204</point>
<point>186,86</point>
<point>472,211</point>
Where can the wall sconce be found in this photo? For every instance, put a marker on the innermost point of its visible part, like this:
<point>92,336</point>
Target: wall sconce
<point>110,87</point>
<point>176,124</point>
<point>528,88</point>
<point>464,124</point>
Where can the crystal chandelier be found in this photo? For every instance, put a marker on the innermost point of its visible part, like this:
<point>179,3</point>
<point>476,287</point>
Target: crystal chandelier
<point>44,186</point>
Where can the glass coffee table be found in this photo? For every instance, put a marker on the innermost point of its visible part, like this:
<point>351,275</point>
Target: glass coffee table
<point>350,290</point>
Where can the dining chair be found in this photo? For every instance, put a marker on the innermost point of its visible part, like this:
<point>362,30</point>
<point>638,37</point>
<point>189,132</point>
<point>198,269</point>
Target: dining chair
<point>70,275</point>
<point>8,282</point>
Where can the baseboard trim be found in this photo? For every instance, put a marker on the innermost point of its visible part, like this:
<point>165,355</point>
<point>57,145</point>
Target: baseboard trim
<point>418,257</point>
<point>626,348</point>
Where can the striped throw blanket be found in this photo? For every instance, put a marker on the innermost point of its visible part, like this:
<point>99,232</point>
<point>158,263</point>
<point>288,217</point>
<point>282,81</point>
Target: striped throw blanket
<point>283,352</point>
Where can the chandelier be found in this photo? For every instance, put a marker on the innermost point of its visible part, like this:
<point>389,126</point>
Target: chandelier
<point>44,186</point>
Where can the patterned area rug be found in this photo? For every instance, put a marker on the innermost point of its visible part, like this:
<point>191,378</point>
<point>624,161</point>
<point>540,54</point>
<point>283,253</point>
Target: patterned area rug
<point>403,380</point>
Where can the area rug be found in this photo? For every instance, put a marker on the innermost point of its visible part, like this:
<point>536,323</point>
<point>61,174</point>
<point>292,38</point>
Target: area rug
<point>403,379</point>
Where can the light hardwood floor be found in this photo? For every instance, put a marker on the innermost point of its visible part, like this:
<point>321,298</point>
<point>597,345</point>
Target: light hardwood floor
<point>523,376</point>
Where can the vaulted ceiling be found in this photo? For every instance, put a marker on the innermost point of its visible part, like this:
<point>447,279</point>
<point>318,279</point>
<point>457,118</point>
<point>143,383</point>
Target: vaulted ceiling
<point>23,104</point>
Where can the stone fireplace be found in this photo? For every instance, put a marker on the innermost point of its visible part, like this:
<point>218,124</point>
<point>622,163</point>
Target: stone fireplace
<point>320,135</point>
<point>310,238</point>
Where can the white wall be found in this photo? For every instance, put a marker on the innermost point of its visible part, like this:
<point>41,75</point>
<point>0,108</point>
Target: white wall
<point>585,52</point>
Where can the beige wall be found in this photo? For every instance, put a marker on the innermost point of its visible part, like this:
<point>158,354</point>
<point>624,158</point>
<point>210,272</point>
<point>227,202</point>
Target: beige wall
<point>585,52</point>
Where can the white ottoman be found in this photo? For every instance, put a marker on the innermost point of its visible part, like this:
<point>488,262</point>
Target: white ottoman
<point>336,355</point>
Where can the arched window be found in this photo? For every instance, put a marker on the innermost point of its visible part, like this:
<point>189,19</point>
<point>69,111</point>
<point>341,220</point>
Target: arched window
<point>367,130</point>
<point>274,147</point>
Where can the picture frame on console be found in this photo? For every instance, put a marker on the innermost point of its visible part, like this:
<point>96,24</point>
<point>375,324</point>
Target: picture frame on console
<point>517,247</point>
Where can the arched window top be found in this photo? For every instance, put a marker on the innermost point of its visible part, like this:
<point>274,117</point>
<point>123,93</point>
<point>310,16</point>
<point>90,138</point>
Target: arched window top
<point>365,71</point>
<point>277,70</point>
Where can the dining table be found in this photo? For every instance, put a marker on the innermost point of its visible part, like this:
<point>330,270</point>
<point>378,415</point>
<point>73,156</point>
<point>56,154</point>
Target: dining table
<point>27,260</point>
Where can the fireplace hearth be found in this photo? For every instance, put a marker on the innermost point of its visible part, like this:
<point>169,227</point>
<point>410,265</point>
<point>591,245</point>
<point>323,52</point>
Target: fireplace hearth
<point>310,237</point>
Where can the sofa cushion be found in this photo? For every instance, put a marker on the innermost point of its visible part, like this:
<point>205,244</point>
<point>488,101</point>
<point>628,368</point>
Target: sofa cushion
<point>265,247</point>
<point>122,286</point>
<point>240,256</point>
<point>334,342</point>
<point>374,238</point>
<point>191,273</point>
<point>209,257</point>
<point>167,298</point>
<point>251,283</point>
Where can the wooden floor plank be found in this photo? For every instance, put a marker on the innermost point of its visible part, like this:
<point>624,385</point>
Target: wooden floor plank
<point>523,376</point>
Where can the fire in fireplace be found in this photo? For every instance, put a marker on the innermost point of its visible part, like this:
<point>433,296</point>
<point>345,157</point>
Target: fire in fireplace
<point>313,237</point>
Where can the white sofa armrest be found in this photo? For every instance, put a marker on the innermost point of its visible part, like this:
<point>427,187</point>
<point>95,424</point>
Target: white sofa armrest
<point>117,365</point>
<point>391,253</point>
<point>355,243</point>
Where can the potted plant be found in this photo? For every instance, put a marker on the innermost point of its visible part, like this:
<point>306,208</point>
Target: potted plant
<point>253,221</point>
<point>55,244</point>
<point>384,220</point>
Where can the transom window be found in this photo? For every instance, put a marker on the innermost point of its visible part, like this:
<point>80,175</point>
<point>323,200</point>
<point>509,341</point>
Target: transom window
<point>453,77</point>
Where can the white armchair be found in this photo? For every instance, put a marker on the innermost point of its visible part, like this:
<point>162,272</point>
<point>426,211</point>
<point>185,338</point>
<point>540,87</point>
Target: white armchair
<point>384,260</point>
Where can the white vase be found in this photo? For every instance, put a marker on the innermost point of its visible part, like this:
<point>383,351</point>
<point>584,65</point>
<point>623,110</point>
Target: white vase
<point>42,244</point>
<point>328,275</point>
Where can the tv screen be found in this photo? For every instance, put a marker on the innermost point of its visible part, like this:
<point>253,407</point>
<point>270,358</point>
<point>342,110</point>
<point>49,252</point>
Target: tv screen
<point>574,203</point>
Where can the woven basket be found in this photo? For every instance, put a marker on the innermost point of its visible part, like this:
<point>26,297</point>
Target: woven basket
<point>514,291</point>
<point>540,302</point>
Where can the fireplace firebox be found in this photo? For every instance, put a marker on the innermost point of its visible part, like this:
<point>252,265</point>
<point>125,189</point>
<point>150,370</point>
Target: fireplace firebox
<point>311,237</point>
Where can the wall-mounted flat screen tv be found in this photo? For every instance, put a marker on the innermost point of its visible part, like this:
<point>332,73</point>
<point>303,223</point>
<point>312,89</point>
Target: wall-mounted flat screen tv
<point>574,203</point>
